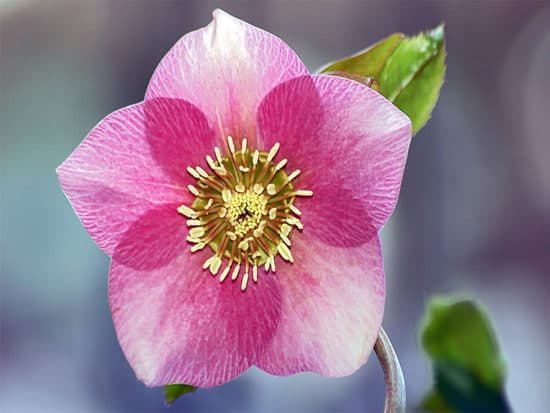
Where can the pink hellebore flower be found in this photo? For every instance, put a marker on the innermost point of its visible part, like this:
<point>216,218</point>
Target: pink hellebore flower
<point>241,204</point>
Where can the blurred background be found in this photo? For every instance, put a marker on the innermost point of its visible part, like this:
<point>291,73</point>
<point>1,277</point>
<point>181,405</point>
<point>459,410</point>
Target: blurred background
<point>473,218</point>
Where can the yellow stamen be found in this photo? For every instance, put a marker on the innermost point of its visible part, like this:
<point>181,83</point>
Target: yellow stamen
<point>258,189</point>
<point>271,189</point>
<point>226,195</point>
<point>218,154</point>
<point>225,272</point>
<point>193,190</point>
<point>255,273</point>
<point>273,152</point>
<point>243,211</point>
<point>193,173</point>
<point>231,144</point>
<point>285,252</point>
<point>187,212</point>
<point>281,164</point>
<point>236,272</point>
<point>293,175</point>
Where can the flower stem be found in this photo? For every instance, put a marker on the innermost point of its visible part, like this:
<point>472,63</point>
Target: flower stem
<point>393,375</point>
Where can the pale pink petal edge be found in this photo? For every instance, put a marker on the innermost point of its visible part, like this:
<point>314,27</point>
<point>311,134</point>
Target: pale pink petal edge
<point>333,305</point>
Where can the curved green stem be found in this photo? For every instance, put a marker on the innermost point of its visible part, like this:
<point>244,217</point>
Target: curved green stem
<point>393,375</point>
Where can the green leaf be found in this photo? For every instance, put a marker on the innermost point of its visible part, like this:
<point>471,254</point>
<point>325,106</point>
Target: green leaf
<point>459,331</point>
<point>409,71</point>
<point>434,402</point>
<point>468,368</point>
<point>369,62</point>
<point>414,73</point>
<point>173,391</point>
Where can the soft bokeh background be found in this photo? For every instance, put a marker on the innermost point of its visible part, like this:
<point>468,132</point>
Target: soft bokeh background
<point>474,214</point>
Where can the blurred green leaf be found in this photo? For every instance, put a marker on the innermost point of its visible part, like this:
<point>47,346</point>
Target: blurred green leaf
<point>434,402</point>
<point>459,332</point>
<point>409,71</point>
<point>468,367</point>
<point>173,391</point>
<point>414,73</point>
<point>369,62</point>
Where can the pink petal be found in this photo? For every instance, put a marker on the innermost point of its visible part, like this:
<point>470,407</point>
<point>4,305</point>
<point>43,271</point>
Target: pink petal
<point>178,324</point>
<point>178,135</point>
<point>225,69</point>
<point>351,145</point>
<point>333,303</point>
<point>153,240</point>
<point>129,174</point>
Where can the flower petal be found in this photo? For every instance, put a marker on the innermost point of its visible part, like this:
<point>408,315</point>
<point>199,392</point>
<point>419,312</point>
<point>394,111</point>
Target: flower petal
<point>131,163</point>
<point>225,69</point>
<point>178,324</point>
<point>333,303</point>
<point>178,135</point>
<point>153,240</point>
<point>351,145</point>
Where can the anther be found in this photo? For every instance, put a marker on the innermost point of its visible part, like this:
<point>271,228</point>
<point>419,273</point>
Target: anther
<point>293,175</point>
<point>193,190</point>
<point>211,162</point>
<point>285,229</point>
<point>198,247</point>
<point>231,144</point>
<point>258,189</point>
<point>281,164</point>
<point>273,152</point>
<point>186,211</point>
<point>215,265</point>
<point>221,171</point>
<point>244,282</point>
<point>235,272</point>
<point>225,272</point>
<point>226,195</point>
<point>196,232</point>
<point>285,239</point>
<point>218,155</point>
<point>243,245</point>
<point>255,273</point>
<point>295,210</point>
<point>207,263</point>
<point>193,173</point>
<point>271,189</point>
<point>202,172</point>
<point>285,252</point>
<point>295,221</point>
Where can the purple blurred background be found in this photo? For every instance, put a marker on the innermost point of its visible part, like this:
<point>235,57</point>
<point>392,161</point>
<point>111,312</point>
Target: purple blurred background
<point>474,214</point>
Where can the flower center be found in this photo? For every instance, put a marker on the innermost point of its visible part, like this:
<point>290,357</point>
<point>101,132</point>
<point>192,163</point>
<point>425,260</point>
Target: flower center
<point>243,211</point>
